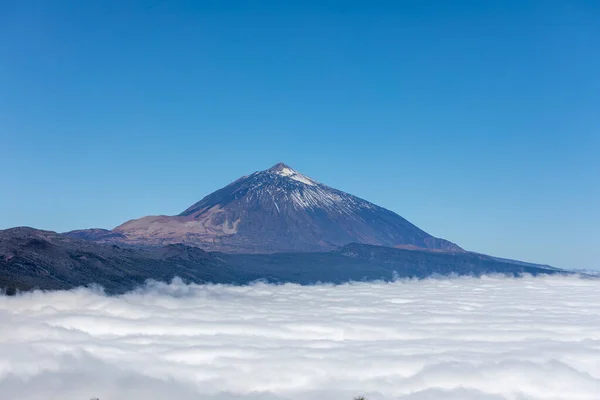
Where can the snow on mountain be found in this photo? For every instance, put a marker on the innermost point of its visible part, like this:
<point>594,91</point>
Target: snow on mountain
<point>284,170</point>
<point>282,183</point>
<point>277,210</point>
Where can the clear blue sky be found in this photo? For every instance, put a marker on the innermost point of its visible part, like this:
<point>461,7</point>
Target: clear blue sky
<point>478,121</point>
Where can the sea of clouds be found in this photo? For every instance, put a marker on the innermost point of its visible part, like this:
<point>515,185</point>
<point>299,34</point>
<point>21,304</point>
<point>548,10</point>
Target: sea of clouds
<point>450,339</point>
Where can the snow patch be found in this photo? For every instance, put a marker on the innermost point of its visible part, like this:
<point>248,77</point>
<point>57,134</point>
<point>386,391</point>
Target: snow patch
<point>290,173</point>
<point>287,172</point>
<point>303,179</point>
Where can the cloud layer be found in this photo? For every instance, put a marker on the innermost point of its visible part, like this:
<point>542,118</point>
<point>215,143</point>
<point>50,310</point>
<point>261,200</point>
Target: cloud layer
<point>453,339</point>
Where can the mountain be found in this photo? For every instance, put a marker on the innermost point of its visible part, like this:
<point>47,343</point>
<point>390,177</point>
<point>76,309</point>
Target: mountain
<point>275,210</point>
<point>31,258</point>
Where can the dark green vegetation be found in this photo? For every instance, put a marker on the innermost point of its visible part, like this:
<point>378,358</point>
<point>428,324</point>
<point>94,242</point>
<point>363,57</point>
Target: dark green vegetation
<point>31,258</point>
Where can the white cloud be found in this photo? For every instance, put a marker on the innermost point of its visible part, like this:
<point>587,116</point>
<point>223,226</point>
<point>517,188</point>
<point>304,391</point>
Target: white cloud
<point>452,339</point>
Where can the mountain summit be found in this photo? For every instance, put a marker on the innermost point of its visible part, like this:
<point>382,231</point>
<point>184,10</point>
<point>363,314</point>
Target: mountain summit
<point>275,210</point>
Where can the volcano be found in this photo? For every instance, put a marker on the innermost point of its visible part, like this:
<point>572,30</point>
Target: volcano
<point>275,210</point>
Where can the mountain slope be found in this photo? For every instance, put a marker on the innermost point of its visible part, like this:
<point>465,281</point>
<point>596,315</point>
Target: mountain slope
<point>31,258</point>
<point>275,210</point>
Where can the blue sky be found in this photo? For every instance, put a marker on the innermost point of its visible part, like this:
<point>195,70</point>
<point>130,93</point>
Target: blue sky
<point>478,121</point>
